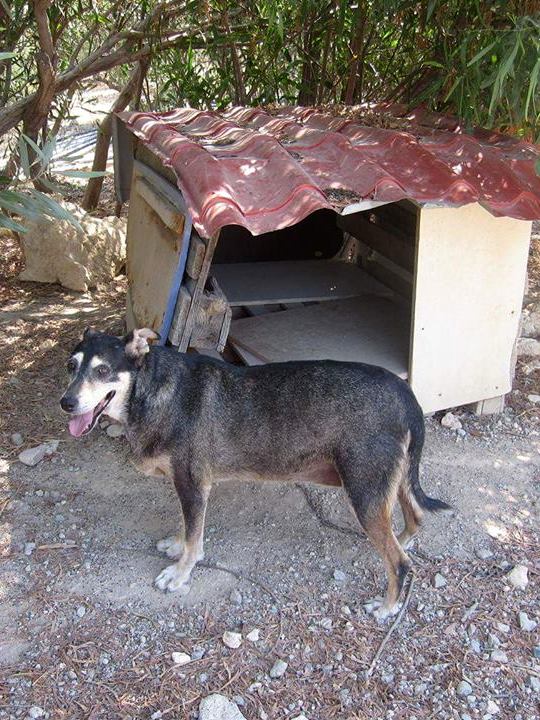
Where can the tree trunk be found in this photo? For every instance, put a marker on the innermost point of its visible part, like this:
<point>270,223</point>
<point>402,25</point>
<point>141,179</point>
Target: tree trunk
<point>356,46</point>
<point>46,59</point>
<point>93,189</point>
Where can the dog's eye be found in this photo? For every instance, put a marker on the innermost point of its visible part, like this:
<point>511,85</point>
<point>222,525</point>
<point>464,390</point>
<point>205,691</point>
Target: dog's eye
<point>102,370</point>
<point>71,366</point>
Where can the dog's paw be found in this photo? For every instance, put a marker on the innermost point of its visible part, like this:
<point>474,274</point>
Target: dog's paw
<point>379,611</point>
<point>172,546</point>
<point>173,579</point>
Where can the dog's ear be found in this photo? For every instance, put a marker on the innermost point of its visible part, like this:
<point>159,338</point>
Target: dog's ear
<point>137,343</point>
<point>89,333</point>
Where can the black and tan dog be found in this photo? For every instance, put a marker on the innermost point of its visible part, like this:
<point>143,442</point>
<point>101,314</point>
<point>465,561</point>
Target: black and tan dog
<point>199,421</point>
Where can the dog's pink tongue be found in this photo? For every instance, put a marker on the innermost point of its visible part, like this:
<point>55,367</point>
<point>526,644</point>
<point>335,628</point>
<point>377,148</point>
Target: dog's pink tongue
<point>79,423</point>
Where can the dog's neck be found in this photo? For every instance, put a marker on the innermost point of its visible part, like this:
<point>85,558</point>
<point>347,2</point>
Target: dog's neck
<point>118,407</point>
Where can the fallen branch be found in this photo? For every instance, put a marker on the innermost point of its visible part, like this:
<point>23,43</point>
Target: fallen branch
<point>391,629</point>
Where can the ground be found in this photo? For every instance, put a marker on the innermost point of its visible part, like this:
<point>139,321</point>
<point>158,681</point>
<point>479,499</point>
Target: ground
<point>84,634</point>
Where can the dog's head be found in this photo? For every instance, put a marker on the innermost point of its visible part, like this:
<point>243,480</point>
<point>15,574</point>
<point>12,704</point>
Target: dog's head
<point>102,368</point>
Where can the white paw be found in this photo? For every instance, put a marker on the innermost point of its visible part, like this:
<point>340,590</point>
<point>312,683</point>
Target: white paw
<point>379,611</point>
<point>173,579</point>
<point>171,546</point>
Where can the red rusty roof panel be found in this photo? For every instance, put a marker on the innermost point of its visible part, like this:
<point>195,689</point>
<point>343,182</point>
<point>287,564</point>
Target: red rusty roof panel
<point>268,171</point>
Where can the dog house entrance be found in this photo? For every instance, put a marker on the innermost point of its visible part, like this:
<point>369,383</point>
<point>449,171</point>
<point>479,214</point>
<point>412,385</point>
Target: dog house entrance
<point>331,287</point>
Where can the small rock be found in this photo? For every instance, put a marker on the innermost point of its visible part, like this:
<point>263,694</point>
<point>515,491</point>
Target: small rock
<point>81,611</point>
<point>17,439</point>
<point>232,640</point>
<point>502,627</point>
<point>180,658</point>
<point>451,422</point>
<point>339,576</point>
<point>218,707</point>
<point>236,597</point>
<point>253,636</point>
<point>525,623</point>
<point>532,398</point>
<point>33,456</point>
<point>536,652</point>
<point>36,712</point>
<point>115,431</point>
<point>278,669</point>
<point>492,708</point>
<point>518,577</point>
<point>483,553</point>
<point>499,656</point>
<point>534,684</point>
<point>439,581</point>
<point>197,652</point>
<point>326,623</point>
<point>464,688</point>
<point>29,548</point>
<point>528,347</point>
<point>476,647</point>
<point>156,715</point>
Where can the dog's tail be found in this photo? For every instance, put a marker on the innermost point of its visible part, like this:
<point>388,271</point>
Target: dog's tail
<point>412,479</point>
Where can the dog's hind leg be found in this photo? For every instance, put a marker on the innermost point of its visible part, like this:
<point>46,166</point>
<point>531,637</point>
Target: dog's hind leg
<point>372,484</point>
<point>412,515</point>
<point>193,497</point>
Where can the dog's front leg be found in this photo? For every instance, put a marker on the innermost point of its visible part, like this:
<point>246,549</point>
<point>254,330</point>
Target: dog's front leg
<point>193,496</point>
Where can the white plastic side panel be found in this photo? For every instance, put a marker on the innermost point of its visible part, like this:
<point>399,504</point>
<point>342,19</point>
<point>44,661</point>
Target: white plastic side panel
<point>469,284</point>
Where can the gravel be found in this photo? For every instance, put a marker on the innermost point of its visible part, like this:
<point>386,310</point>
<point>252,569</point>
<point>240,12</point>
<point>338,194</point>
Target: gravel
<point>231,639</point>
<point>278,669</point>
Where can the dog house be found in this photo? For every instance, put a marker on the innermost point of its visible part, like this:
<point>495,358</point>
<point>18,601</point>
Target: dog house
<point>302,235</point>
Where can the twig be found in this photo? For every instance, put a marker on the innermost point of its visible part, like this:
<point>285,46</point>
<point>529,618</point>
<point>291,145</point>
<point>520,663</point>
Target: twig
<point>391,629</point>
<point>324,521</point>
<point>57,546</point>
<point>240,576</point>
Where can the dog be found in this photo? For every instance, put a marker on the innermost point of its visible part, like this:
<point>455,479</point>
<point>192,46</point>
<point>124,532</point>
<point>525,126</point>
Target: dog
<point>198,421</point>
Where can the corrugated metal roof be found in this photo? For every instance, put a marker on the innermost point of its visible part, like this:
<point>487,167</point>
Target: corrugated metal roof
<point>268,171</point>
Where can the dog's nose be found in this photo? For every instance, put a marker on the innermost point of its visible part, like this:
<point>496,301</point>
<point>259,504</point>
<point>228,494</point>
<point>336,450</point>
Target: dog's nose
<point>68,403</point>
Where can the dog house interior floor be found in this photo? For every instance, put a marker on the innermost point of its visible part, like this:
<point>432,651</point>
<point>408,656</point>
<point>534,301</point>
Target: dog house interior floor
<point>297,297</point>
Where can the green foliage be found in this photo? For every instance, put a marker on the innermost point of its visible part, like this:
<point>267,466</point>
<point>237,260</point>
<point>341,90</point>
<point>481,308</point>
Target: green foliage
<point>30,203</point>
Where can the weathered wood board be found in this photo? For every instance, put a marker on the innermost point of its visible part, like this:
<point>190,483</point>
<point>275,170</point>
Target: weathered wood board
<point>470,277</point>
<point>364,329</point>
<point>263,283</point>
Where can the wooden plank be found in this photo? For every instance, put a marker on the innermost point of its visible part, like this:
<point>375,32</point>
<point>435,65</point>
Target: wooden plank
<point>199,288</point>
<point>183,303</point>
<point>392,246</point>
<point>197,250</point>
<point>467,303</point>
<point>152,257</point>
<point>247,357</point>
<point>365,329</point>
<point>265,283</point>
<point>161,205</point>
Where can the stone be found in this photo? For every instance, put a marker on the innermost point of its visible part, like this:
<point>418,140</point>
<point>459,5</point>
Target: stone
<point>339,576</point>
<point>536,652</point>
<point>530,321</point>
<point>218,707</point>
<point>492,708</point>
<point>439,581</point>
<point>518,577</point>
<point>180,658</point>
<point>464,688</point>
<point>525,623</point>
<point>232,640</point>
<point>29,548</point>
<point>81,611</point>
<point>502,627</point>
<point>528,347</point>
<point>236,597</point>
<point>77,258</point>
<point>278,669</point>
<point>156,715</point>
<point>253,636</point>
<point>36,712</point>
<point>33,456</point>
<point>326,623</point>
<point>17,439</point>
<point>499,656</point>
<point>115,430</point>
<point>451,422</point>
<point>534,684</point>
<point>483,553</point>
<point>534,398</point>
<point>476,647</point>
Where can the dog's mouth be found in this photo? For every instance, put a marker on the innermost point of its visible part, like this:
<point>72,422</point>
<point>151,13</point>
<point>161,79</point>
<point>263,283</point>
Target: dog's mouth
<point>83,424</point>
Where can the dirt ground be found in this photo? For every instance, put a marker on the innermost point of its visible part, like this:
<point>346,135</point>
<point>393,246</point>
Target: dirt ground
<point>84,634</point>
